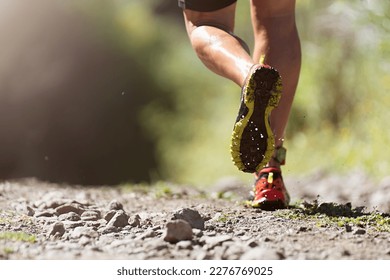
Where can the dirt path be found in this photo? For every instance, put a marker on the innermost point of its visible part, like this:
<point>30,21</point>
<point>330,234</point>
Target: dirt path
<point>49,221</point>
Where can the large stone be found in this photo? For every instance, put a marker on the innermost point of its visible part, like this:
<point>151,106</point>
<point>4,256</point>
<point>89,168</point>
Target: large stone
<point>115,205</point>
<point>70,207</point>
<point>178,230</point>
<point>108,216</point>
<point>57,229</point>
<point>135,221</point>
<point>191,216</point>
<point>120,219</point>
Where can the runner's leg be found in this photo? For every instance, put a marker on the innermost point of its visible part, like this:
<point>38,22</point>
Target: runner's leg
<point>211,37</point>
<point>276,37</point>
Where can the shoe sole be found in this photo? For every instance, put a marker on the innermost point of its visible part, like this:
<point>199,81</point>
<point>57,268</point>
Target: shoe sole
<point>253,141</point>
<point>269,205</point>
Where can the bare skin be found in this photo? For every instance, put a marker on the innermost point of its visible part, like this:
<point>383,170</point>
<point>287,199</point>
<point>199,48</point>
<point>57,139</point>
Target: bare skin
<point>276,37</point>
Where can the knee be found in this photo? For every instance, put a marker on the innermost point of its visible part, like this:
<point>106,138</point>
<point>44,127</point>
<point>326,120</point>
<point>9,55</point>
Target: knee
<point>201,40</point>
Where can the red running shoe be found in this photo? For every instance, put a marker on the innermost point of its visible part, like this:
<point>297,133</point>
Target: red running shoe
<point>269,192</point>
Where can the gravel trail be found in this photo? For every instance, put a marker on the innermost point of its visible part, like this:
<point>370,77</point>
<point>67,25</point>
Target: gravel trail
<point>39,220</point>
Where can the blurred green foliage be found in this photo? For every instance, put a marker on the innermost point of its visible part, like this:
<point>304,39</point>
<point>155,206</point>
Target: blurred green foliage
<point>339,119</point>
<point>341,109</point>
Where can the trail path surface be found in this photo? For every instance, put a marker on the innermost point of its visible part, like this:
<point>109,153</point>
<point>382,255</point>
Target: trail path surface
<point>51,221</point>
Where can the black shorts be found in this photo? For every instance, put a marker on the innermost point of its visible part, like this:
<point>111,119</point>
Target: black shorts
<point>205,5</point>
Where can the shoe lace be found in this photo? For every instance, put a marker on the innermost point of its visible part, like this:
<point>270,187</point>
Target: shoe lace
<point>268,180</point>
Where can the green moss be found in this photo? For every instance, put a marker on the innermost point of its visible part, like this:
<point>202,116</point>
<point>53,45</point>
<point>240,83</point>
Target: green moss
<point>338,215</point>
<point>8,250</point>
<point>18,236</point>
<point>223,218</point>
<point>163,190</point>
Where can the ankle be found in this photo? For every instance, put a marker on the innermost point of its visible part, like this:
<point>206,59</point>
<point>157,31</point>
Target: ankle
<point>247,70</point>
<point>274,163</point>
<point>278,158</point>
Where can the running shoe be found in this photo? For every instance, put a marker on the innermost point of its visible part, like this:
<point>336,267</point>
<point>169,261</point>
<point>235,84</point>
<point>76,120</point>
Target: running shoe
<point>253,141</point>
<point>269,192</point>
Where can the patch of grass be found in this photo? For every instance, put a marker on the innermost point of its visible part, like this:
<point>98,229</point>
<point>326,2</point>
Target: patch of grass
<point>140,188</point>
<point>223,218</point>
<point>373,220</point>
<point>18,236</point>
<point>163,190</point>
<point>339,215</point>
<point>8,250</point>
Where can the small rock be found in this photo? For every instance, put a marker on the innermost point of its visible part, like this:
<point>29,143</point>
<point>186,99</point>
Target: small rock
<point>252,243</point>
<point>302,229</point>
<point>29,211</point>
<point>135,222</point>
<point>71,216</point>
<point>178,230</point>
<point>120,219</point>
<point>191,216</point>
<point>72,207</point>
<point>360,231</point>
<point>48,213</point>
<point>115,205</point>
<point>90,215</point>
<point>57,229</point>
<point>348,228</point>
<point>345,252</point>
<point>108,216</point>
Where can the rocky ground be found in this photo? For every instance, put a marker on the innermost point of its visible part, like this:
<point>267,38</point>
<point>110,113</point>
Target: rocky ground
<point>50,221</point>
